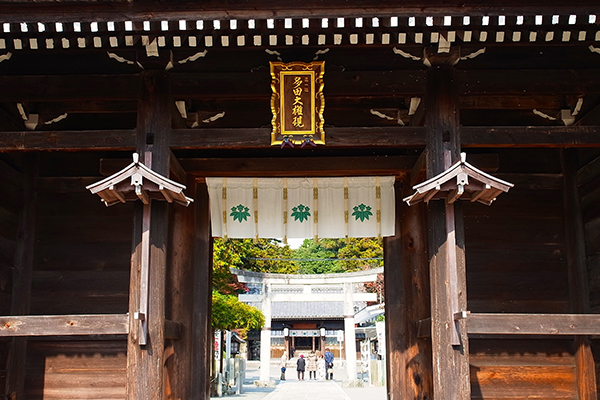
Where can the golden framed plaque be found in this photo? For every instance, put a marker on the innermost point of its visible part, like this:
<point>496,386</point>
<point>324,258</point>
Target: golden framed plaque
<point>297,103</point>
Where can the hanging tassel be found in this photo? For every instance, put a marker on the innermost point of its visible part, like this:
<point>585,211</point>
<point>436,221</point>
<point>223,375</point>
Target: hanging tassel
<point>287,140</point>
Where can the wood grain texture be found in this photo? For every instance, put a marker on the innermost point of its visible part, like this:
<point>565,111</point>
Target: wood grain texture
<point>179,291</point>
<point>76,370</point>
<point>533,324</point>
<point>446,257</point>
<point>145,363</point>
<point>409,370</point>
<point>53,325</point>
<point>202,332</point>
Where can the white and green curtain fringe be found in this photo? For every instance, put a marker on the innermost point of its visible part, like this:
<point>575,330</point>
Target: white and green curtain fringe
<point>302,207</point>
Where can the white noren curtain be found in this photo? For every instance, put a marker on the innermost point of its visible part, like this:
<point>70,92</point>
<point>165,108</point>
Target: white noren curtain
<point>302,207</point>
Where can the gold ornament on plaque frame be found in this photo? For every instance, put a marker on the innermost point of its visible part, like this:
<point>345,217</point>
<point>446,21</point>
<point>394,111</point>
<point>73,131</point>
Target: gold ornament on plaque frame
<point>297,103</point>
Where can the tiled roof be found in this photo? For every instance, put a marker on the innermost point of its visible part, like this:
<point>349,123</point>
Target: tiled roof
<point>309,309</point>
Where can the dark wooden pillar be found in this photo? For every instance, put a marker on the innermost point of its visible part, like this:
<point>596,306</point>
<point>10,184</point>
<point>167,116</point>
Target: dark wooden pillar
<point>21,280</point>
<point>202,296</point>
<point>179,307</point>
<point>445,239</point>
<point>408,368</point>
<point>578,279</point>
<point>145,363</point>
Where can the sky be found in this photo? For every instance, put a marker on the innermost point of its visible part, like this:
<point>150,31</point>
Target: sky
<point>295,243</point>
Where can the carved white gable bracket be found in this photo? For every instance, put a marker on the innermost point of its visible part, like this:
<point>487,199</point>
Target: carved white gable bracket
<point>460,181</point>
<point>136,181</point>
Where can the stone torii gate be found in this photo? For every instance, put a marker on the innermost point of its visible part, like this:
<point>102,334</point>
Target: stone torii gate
<point>287,288</point>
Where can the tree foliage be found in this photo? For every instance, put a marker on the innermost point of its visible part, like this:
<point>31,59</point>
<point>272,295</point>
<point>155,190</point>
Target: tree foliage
<point>365,251</point>
<point>262,255</point>
<point>228,313</point>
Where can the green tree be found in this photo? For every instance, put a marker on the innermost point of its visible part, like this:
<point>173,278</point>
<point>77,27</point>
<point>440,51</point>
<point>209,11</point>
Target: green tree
<point>367,251</point>
<point>262,255</point>
<point>313,252</point>
<point>335,254</point>
<point>228,313</point>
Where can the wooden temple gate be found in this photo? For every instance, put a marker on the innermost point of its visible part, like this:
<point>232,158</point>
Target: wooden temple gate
<point>507,309</point>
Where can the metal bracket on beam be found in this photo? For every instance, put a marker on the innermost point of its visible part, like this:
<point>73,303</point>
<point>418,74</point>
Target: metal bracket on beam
<point>461,315</point>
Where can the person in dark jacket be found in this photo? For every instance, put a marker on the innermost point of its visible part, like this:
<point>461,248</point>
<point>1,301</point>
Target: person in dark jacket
<point>328,364</point>
<point>300,367</point>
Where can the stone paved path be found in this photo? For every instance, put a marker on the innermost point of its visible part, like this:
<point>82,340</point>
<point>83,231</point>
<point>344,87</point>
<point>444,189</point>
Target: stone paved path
<point>307,390</point>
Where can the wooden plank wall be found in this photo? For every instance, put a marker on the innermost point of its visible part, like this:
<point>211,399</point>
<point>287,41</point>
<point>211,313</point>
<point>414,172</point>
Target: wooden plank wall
<point>516,263</point>
<point>81,266</point>
<point>82,248</point>
<point>76,370</point>
<point>588,180</point>
<point>10,199</point>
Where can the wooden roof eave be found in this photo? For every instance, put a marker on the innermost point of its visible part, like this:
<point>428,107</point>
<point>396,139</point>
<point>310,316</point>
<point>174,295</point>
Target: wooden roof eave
<point>114,189</point>
<point>489,186</point>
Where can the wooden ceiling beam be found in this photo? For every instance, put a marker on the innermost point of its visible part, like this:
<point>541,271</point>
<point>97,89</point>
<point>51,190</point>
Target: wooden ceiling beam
<point>530,136</point>
<point>14,11</point>
<point>336,138</point>
<point>250,86</point>
<point>284,166</point>
<point>69,87</point>
<point>67,140</point>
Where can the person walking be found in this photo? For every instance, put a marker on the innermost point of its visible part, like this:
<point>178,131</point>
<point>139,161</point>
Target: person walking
<point>328,364</point>
<point>300,367</point>
<point>312,365</point>
<point>284,360</point>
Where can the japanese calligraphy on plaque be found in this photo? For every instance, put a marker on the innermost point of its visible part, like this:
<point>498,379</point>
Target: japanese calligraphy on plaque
<point>297,103</point>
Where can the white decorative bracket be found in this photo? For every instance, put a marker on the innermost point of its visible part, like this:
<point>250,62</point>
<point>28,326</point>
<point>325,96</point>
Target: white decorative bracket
<point>461,181</point>
<point>144,184</point>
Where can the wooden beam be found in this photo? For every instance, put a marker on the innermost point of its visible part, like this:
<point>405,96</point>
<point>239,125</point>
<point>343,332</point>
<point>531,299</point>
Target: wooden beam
<point>213,9</point>
<point>67,140</point>
<point>577,268</point>
<point>533,181</point>
<point>530,136</point>
<point>61,325</point>
<point>487,89</point>
<point>22,88</point>
<point>533,324</point>
<point>282,166</point>
<point>336,138</point>
<point>299,166</point>
<point>88,107</point>
<point>240,138</point>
